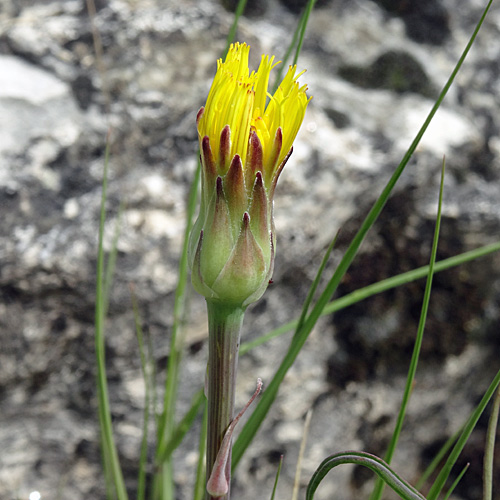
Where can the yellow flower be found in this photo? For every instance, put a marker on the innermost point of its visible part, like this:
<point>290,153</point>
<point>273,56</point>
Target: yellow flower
<point>237,99</point>
<point>246,137</point>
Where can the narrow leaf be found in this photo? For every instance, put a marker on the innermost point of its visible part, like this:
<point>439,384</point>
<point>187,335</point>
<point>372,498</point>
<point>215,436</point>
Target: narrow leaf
<point>200,478</point>
<point>182,427</point>
<point>112,466</point>
<point>377,465</point>
<point>298,470</point>
<point>438,458</point>
<point>163,483</point>
<point>457,449</point>
<point>489,452</point>
<point>277,477</point>
<point>315,283</point>
<point>455,483</point>
<point>379,485</point>
<point>376,288</point>
<point>145,368</point>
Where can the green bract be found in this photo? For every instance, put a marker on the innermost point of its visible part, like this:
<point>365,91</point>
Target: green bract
<point>244,146</point>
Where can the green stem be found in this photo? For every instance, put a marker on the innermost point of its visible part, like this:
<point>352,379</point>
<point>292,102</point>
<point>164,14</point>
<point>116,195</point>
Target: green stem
<point>224,325</point>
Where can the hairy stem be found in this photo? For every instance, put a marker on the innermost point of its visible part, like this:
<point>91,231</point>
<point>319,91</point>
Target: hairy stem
<point>224,325</point>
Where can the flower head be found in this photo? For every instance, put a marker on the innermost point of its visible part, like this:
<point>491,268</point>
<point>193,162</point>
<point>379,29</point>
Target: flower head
<point>246,137</point>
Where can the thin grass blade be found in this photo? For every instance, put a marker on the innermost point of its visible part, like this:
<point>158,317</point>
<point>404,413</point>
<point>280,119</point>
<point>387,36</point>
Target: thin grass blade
<point>232,31</point>
<point>455,483</point>
<point>297,40</point>
<point>145,368</point>
<point>278,472</point>
<point>110,454</point>
<point>489,452</point>
<point>182,427</point>
<point>462,440</point>
<point>376,288</point>
<point>200,479</point>
<point>380,484</point>
<point>164,483</point>
<point>111,262</point>
<point>303,25</point>
<point>438,458</point>
<point>314,286</point>
<point>298,470</point>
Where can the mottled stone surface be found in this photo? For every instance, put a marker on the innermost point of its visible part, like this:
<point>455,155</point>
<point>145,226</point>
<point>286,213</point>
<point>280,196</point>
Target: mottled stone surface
<point>373,68</point>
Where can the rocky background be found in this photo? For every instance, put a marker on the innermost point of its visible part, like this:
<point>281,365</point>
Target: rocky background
<point>374,68</point>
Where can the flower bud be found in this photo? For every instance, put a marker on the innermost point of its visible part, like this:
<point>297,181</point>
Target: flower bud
<point>245,142</point>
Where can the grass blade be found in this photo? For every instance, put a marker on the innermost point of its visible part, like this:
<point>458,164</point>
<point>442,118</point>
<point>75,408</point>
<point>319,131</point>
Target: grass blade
<point>297,40</point>
<point>314,286</point>
<point>489,452</point>
<point>400,486</point>
<point>379,485</point>
<point>278,472</point>
<point>148,383</point>
<point>182,427</point>
<point>164,486</point>
<point>200,479</point>
<point>376,288</point>
<point>112,466</point>
<point>298,470</point>
<point>457,449</point>
<point>232,31</point>
<point>303,25</point>
<point>455,483</point>
<point>111,262</point>
<point>438,458</point>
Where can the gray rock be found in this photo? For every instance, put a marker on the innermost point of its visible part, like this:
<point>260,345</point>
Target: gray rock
<point>57,101</point>
<point>38,111</point>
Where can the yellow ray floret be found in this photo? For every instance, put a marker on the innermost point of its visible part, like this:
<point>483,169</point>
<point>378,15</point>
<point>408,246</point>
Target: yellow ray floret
<point>238,98</point>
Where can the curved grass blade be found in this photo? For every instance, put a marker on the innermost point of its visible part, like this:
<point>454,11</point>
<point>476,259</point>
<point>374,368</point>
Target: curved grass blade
<point>377,465</point>
<point>457,449</point>
<point>379,485</point>
<point>489,452</point>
